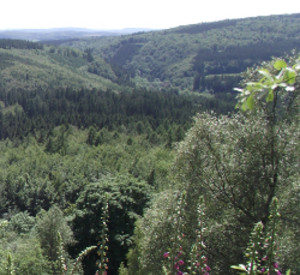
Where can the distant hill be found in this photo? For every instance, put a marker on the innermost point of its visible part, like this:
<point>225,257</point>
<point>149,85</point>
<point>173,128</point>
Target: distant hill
<point>62,33</point>
<point>201,57</point>
<point>30,66</point>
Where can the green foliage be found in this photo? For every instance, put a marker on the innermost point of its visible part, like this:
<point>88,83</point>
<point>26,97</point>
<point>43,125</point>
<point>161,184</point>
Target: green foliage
<point>51,228</point>
<point>29,259</point>
<point>238,163</point>
<point>188,55</point>
<point>77,134</point>
<point>122,270</point>
<point>238,173</point>
<point>187,253</point>
<point>21,223</point>
<point>9,269</point>
<point>127,198</point>
<point>80,257</point>
<point>274,84</point>
<point>252,252</point>
<point>103,242</point>
<point>288,233</point>
<point>21,254</point>
<point>165,243</point>
<point>280,82</point>
<point>47,178</point>
<point>19,44</point>
<point>30,68</point>
<point>262,250</point>
<point>153,235</point>
<point>34,111</point>
<point>197,257</point>
<point>177,238</point>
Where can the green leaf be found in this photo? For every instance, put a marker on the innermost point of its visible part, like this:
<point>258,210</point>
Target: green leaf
<point>290,76</point>
<point>270,96</point>
<point>280,64</point>
<point>239,267</point>
<point>250,102</point>
<point>244,106</point>
<point>265,73</point>
<point>250,86</point>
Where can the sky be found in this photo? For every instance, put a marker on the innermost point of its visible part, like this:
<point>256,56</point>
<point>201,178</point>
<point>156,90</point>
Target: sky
<point>120,14</point>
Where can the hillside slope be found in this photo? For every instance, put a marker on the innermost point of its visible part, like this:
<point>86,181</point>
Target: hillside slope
<point>45,86</point>
<point>200,57</point>
<point>27,66</point>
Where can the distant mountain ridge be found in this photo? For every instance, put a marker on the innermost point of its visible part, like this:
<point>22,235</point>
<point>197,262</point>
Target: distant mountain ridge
<point>63,33</point>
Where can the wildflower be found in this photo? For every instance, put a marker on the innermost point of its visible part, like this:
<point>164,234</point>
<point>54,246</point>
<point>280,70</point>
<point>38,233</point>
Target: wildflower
<point>181,262</point>
<point>279,273</point>
<point>179,273</point>
<point>166,254</point>
<point>275,265</point>
<point>208,268</point>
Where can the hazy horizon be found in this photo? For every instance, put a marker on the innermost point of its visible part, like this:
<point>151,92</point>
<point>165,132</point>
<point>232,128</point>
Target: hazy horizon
<point>122,14</point>
<point>74,28</point>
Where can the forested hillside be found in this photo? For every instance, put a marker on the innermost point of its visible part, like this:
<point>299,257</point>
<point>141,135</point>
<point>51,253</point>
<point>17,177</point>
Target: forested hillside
<point>26,65</point>
<point>45,86</point>
<point>201,57</point>
<point>126,155</point>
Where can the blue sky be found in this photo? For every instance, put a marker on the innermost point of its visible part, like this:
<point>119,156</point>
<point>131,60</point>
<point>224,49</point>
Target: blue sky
<point>118,14</point>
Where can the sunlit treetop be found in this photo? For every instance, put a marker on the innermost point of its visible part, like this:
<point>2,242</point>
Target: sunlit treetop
<point>275,80</point>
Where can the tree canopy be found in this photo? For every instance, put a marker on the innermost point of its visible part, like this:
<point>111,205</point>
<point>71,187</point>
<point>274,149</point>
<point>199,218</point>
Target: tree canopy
<point>237,164</point>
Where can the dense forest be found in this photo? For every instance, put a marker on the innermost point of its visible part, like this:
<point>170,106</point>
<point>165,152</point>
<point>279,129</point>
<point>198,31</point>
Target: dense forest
<point>205,57</point>
<point>134,154</point>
